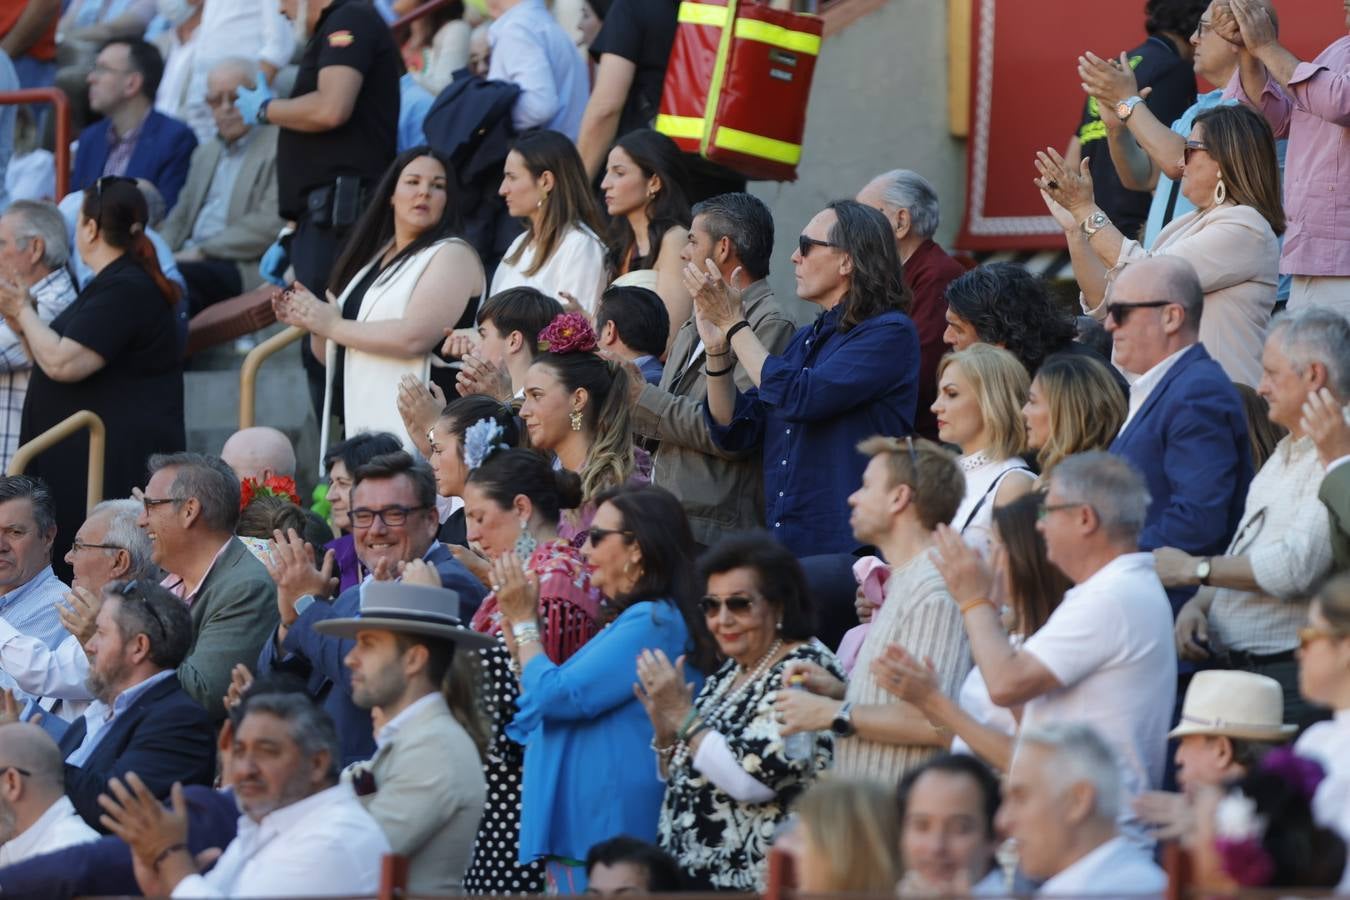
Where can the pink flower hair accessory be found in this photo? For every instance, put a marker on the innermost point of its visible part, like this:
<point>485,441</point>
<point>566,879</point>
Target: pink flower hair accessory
<point>568,333</point>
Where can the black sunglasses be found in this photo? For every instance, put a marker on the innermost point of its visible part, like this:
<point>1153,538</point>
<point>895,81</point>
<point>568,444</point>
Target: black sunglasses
<point>804,244</point>
<point>131,590</point>
<point>736,604</point>
<point>1191,147</point>
<point>1119,312</point>
<point>596,535</point>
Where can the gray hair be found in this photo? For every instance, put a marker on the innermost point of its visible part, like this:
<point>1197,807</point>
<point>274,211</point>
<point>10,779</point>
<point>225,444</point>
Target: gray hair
<point>311,727</point>
<point>1078,754</point>
<point>33,219</point>
<point>1111,486</point>
<point>123,532</point>
<point>1317,334</point>
<point>207,480</point>
<point>36,492</point>
<point>908,190</point>
<point>246,69</point>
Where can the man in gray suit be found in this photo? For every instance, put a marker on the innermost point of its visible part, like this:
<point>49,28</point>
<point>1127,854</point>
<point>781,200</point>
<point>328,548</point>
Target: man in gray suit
<point>226,214</point>
<point>425,784</point>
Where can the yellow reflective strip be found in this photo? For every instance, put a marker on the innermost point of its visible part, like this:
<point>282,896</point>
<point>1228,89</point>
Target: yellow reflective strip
<point>680,126</point>
<point>757,145</point>
<point>778,36</point>
<point>703,14</point>
<point>718,76</point>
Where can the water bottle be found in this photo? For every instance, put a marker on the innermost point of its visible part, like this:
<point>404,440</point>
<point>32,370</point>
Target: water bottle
<point>802,744</point>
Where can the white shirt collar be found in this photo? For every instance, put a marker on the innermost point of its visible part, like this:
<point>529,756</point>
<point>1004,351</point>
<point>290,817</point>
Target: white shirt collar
<point>23,845</point>
<point>279,820</point>
<point>409,712</point>
<point>1144,384</point>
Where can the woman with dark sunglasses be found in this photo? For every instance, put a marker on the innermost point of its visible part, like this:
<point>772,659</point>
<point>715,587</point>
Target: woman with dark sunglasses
<point>113,351</point>
<point>588,775</point>
<point>719,817</point>
<point>1230,173</point>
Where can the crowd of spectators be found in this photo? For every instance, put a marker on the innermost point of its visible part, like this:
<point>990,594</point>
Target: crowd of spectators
<point>618,580</point>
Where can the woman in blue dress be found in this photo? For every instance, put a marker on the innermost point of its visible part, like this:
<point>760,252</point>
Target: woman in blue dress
<point>588,773</point>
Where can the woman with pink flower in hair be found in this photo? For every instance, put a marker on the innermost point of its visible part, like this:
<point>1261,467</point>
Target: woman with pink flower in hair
<point>576,407</point>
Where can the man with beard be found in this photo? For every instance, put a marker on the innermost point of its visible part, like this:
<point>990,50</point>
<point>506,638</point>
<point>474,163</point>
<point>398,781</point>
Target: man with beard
<point>141,720</point>
<point>35,815</point>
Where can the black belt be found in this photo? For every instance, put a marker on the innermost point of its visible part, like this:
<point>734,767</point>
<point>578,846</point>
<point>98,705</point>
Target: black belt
<point>1239,659</point>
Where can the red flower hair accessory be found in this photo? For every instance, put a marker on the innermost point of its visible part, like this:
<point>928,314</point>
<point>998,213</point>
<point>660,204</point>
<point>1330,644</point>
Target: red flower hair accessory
<point>275,486</point>
<point>568,333</point>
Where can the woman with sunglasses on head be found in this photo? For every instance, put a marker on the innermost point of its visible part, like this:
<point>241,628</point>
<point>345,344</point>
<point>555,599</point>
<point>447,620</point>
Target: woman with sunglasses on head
<point>403,277</point>
<point>1231,239</point>
<point>588,774</point>
<point>852,374</point>
<point>113,351</point>
<point>722,810</point>
<point>576,407</point>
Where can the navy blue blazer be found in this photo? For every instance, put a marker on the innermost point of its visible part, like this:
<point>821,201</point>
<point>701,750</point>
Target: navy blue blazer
<point>319,658</point>
<point>103,868</point>
<point>161,155</point>
<point>1189,440</point>
<point>164,736</point>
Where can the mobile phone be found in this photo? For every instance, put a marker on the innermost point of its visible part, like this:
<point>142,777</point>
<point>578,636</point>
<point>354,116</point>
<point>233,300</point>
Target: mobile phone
<point>346,200</point>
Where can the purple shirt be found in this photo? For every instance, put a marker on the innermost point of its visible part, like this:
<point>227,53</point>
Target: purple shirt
<point>1314,116</point>
<point>121,148</point>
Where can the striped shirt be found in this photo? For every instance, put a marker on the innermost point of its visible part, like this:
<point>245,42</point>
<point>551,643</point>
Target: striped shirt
<point>52,294</point>
<point>920,615</point>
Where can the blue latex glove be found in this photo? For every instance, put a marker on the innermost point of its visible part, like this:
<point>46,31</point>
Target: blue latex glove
<point>274,263</point>
<point>248,102</point>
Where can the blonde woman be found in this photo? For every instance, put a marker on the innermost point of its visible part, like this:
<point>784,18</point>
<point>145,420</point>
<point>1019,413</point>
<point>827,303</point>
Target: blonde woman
<point>847,839</point>
<point>1074,405</point>
<point>979,408</point>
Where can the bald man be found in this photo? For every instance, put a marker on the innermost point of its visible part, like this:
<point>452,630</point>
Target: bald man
<point>259,453</point>
<point>35,815</point>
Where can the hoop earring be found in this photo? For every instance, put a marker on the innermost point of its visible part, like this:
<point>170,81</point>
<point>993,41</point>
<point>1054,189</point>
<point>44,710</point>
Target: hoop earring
<point>575,418</point>
<point>1220,193</point>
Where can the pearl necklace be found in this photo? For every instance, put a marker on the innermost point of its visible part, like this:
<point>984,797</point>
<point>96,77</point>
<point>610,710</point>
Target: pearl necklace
<point>728,697</point>
<point>974,461</point>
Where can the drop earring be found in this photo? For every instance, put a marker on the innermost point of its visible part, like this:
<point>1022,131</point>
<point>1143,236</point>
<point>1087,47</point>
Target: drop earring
<point>575,418</point>
<point>1220,193</point>
<point>539,204</point>
<point>525,542</point>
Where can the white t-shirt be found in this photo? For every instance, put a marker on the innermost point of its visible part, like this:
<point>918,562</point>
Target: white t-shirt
<point>1110,644</point>
<point>577,266</point>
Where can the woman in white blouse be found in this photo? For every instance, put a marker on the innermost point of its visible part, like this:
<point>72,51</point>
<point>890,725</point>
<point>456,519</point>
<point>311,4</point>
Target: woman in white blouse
<point>545,186</point>
<point>1231,174</point>
<point>402,280</point>
<point>979,408</point>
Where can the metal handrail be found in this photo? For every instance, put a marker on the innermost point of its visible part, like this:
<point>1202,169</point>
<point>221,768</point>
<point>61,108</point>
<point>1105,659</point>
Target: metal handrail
<point>98,443</point>
<point>57,98</point>
<point>248,372</point>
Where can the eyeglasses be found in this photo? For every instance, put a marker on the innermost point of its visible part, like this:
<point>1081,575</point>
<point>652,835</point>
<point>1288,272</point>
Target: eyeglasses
<point>99,186</point>
<point>100,69</point>
<point>218,100</point>
<point>736,604</point>
<point>1310,634</point>
<point>77,545</point>
<point>596,535</point>
<point>1201,27</point>
<point>1119,312</point>
<point>1191,148</point>
<point>131,591</point>
<point>393,516</point>
<point>1045,509</point>
<point>804,245</point>
<point>151,502</point>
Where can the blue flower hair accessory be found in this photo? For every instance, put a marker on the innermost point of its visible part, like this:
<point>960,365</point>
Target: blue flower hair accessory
<point>480,440</point>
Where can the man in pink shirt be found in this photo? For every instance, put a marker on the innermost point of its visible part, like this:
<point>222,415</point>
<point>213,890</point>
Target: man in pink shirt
<point>1309,103</point>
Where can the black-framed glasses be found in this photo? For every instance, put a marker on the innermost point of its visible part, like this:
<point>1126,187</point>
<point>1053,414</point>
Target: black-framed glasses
<point>77,545</point>
<point>804,244</point>
<point>99,186</point>
<point>1119,312</point>
<point>393,516</point>
<point>736,604</point>
<point>1201,27</point>
<point>151,502</point>
<point>596,535</point>
<point>1191,148</point>
<point>131,591</point>
<point>1045,509</point>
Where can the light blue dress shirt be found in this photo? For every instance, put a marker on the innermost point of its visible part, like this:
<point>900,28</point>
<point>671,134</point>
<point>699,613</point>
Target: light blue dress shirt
<point>414,104</point>
<point>531,50</point>
<point>98,718</point>
<point>31,609</point>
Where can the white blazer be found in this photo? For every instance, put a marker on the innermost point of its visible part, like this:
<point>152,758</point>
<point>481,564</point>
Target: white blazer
<point>369,380</point>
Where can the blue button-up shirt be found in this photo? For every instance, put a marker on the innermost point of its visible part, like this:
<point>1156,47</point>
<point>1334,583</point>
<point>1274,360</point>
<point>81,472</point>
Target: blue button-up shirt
<point>531,50</point>
<point>816,401</point>
<point>31,610</point>
<point>98,718</point>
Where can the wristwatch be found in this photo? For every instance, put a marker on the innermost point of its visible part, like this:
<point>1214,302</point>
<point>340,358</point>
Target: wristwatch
<point>842,725</point>
<point>262,112</point>
<point>1094,223</point>
<point>1202,571</point>
<point>1125,108</point>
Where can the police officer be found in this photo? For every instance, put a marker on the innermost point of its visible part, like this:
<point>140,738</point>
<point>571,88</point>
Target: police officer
<point>338,134</point>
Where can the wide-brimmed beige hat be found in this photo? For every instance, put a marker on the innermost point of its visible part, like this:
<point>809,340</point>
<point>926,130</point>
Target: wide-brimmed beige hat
<point>407,608</point>
<point>1234,704</point>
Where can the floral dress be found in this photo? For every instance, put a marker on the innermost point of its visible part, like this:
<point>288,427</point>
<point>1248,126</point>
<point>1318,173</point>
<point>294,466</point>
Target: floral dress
<point>569,610</point>
<point>720,841</point>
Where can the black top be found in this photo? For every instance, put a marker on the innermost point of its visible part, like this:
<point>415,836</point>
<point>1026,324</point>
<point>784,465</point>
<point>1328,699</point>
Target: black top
<point>349,33</point>
<point>1156,64</point>
<point>642,32</point>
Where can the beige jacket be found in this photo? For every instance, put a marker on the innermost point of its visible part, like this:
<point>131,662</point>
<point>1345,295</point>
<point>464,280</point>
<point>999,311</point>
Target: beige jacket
<point>721,492</point>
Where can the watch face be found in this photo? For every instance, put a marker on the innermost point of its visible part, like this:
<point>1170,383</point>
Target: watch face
<point>1123,109</point>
